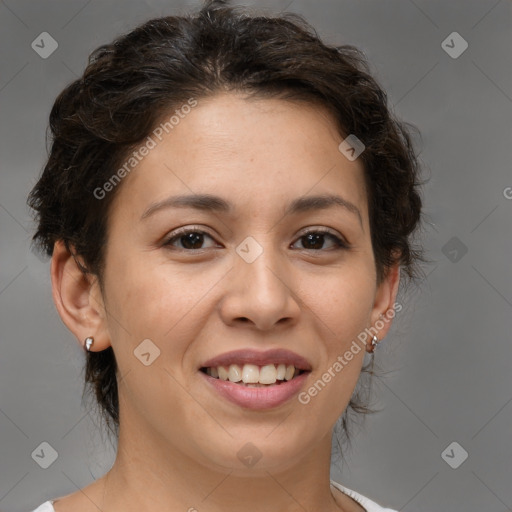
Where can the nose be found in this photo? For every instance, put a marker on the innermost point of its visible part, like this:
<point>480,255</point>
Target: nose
<point>260,294</point>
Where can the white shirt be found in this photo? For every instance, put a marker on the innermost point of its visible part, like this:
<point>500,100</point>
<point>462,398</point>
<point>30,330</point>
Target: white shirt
<point>366,503</point>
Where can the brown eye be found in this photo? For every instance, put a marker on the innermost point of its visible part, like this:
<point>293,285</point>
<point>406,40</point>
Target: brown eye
<point>314,240</point>
<point>191,239</point>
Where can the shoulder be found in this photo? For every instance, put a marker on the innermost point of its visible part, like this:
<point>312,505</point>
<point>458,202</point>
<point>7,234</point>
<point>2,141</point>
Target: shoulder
<point>47,506</point>
<point>367,503</point>
<point>78,501</point>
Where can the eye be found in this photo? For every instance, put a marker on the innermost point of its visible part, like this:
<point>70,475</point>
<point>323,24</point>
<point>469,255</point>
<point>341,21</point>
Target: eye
<point>191,239</point>
<point>316,236</point>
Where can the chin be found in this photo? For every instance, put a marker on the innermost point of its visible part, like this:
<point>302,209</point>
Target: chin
<point>255,453</point>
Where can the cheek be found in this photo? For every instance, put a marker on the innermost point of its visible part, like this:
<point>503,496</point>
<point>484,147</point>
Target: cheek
<point>345,303</point>
<point>344,314</point>
<point>153,300</point>
<point>145,295</point>
<point>150,303</point>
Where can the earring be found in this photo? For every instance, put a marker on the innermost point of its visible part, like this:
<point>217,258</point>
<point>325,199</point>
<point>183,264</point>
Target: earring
<point>88,342</point>
<point>371,348</point>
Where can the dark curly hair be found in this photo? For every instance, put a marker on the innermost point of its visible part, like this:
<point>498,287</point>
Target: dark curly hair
<point>128,87</point>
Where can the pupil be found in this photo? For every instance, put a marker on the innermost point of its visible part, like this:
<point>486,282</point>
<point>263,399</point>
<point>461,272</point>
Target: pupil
<point>192,240</point>
<point>312,236</point>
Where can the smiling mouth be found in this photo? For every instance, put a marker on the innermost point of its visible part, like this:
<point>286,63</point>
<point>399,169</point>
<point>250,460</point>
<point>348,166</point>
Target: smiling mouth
<point>251,375</point>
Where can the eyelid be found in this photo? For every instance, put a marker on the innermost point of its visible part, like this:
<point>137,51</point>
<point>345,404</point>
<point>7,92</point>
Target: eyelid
<point>339,240</point>
<point>176,233</point>
<point>323,230</point>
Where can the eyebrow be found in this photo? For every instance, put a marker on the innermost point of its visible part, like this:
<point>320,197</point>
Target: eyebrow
<point>212,203</point>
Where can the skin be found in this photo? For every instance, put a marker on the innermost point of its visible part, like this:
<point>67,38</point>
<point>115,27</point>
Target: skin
<point>178,439</point>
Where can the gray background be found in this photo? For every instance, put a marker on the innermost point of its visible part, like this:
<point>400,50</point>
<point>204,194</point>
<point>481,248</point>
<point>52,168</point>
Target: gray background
<point>449,350</point>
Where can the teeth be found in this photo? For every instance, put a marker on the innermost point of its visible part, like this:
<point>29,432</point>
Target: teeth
<point>250,374</point>
<point>290,370</point>
<point>268,374</point>
<point>223,373</point>
<point>235,373</point>
<point>253,375</point>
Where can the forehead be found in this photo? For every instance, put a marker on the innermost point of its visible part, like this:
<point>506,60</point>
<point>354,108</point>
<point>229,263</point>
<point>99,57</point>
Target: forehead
<point>256,152</point>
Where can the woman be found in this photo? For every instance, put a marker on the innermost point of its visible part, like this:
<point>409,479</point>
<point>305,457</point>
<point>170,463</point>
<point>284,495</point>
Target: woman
<point>228,203</point>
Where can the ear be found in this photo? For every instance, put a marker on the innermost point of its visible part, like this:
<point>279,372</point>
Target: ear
<point>385,300</point>
<point>78,298</point>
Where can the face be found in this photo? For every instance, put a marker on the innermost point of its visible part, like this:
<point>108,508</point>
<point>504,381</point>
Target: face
<point>254,276</point>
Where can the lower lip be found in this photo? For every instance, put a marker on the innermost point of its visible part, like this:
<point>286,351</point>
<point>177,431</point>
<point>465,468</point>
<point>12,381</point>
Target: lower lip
<point>260,397</point>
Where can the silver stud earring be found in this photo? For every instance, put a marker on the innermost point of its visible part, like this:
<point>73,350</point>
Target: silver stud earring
<point>375,340</point>
<point>88,342</point>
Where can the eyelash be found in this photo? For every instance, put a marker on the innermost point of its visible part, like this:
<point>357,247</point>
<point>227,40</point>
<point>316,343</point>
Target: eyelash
<point>339,243</point>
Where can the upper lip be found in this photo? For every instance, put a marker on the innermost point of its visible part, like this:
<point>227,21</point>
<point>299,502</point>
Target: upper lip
<point>258,358</point>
